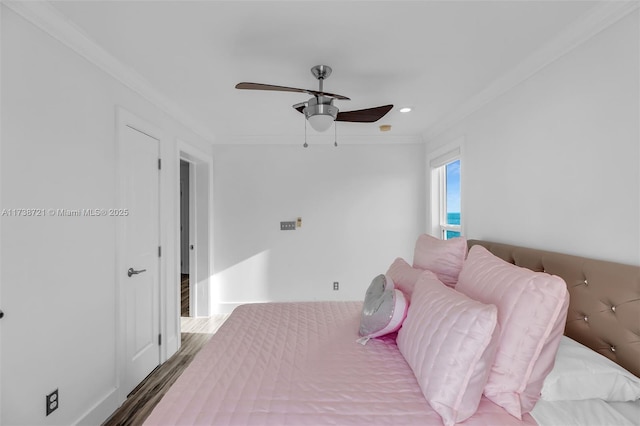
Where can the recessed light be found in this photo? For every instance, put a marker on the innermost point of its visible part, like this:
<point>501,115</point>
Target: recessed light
<point>405,109</point>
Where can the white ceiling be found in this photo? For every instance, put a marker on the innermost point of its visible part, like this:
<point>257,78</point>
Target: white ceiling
<point>433,56</point>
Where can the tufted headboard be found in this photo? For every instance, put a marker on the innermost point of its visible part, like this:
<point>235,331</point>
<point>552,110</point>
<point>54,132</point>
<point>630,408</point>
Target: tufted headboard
<point>604,308</point>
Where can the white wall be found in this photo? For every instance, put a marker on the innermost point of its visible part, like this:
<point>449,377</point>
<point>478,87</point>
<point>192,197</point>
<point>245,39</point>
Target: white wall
<point>555,162</point>
<point>361,206</point>
<point>58,274</point>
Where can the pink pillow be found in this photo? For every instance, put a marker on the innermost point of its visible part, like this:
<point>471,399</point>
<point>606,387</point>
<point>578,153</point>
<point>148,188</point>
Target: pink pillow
<point>449,340</point>
<point>532,311</point>
<point>384,309</point>
<point>404,277</point>
<point>442,257</point>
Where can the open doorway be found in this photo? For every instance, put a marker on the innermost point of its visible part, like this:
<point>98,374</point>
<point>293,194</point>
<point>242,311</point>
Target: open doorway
<point>195,231</point>
<point>185,167</point>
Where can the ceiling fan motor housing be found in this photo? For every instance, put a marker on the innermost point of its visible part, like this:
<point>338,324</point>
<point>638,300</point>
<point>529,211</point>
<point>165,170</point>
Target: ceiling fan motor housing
<point>320,105</point>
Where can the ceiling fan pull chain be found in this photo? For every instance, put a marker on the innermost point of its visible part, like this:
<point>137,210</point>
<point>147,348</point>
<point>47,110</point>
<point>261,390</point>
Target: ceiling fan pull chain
<point>305,134</point>
<point>335,139</point>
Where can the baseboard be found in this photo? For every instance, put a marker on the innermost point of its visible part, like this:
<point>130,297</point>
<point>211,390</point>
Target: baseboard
<point>101,411</point>
<point>172,347</point>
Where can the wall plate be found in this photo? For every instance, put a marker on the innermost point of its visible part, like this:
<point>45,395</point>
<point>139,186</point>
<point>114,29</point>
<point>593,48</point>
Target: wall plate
<point>52,402</point>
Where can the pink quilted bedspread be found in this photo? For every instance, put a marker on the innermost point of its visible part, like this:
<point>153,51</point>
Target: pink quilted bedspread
<point>299,364</point>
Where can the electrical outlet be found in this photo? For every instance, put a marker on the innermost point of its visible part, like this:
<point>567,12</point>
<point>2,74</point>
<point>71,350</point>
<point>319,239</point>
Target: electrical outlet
<point>336,285</point>
<point>52,402</point>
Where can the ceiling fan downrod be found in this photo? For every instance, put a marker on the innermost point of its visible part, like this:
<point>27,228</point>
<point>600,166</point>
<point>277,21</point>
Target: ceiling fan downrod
<point>320,72</point>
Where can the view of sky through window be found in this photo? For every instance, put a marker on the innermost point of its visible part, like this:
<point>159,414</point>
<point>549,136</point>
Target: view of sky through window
<point>453,192</point>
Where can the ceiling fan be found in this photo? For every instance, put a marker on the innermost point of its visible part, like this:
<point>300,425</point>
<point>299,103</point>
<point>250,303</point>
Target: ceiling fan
<point>319,110</point>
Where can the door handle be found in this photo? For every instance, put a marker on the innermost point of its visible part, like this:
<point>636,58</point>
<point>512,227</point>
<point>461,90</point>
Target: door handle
<point>132,271</point>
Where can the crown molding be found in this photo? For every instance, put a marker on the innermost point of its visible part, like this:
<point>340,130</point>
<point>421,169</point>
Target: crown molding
<point>591,23</point>
<point>49,19</point>
<point>320,139</point>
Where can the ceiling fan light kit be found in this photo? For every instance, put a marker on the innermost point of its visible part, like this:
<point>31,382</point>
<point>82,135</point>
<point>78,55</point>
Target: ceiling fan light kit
<point>319,111</point>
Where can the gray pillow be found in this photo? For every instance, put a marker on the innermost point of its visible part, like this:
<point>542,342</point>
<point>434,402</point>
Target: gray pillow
<point>384,308</point>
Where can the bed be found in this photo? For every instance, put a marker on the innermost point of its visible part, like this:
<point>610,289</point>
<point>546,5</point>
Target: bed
<point>300,363</point>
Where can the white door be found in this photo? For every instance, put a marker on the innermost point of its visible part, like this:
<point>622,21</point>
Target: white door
<point>140,266</point>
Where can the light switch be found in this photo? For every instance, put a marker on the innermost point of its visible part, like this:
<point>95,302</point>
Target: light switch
<point>287,226</point>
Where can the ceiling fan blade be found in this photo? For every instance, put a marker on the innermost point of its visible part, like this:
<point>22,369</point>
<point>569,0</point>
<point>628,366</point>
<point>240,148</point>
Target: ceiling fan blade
<point>260,86</point>
<point>368,115</point>
<point>300,107</point>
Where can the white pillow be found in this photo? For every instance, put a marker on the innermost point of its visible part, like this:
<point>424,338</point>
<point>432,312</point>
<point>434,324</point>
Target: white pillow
<point>588,412</point>
<point>581,373</point>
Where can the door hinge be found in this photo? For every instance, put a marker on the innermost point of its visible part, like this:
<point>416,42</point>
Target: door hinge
<point>159,339</point>
<point>159,163</point>
<point>159,251</point>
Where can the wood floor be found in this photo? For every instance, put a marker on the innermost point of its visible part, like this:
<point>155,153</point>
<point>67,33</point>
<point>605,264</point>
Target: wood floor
<point>140,402</point>
<point>184,295</point>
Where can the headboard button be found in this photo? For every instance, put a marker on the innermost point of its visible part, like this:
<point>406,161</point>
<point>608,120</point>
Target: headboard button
<point>586,319</point>
<point>613,308</point>
<point>613,348</point>
<point>586,282</point>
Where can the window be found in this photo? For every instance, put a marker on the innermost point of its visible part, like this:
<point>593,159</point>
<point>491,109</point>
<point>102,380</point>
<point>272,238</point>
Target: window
<point>446,195</point>
<point>450,216</point>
